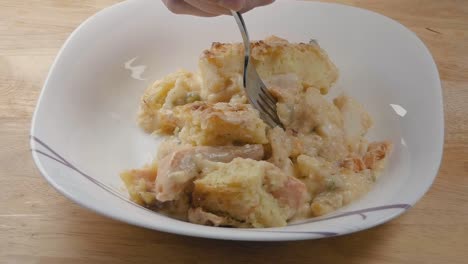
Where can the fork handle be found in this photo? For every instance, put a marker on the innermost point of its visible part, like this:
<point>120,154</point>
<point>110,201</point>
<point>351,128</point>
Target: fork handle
<point>245,36</point>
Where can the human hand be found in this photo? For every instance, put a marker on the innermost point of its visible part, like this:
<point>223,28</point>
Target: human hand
<point>210,8</point>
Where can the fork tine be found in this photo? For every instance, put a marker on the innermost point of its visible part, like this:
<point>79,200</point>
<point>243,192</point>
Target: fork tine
<point>271,114</point>
<point>272,107</point>
<point>268,94</point>
<point>265,110</point>
<point>254,75</point>
<point>267,119</point>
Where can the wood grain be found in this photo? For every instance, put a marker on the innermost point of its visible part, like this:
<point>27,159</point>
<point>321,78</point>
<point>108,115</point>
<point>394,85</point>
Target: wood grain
<point>38,225</point>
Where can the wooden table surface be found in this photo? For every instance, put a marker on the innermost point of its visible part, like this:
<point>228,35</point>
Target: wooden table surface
<point>38,225</point>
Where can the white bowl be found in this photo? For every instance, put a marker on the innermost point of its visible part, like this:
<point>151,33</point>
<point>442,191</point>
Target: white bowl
<point>84,130</point>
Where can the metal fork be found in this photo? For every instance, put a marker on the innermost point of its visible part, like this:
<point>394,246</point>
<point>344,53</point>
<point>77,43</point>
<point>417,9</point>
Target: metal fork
<point>256,90</point>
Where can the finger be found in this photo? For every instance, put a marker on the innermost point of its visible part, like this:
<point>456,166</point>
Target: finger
<point>235,5</point>
<point>210,7</point>
<point>255,3</point>
<point>183,8</point>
